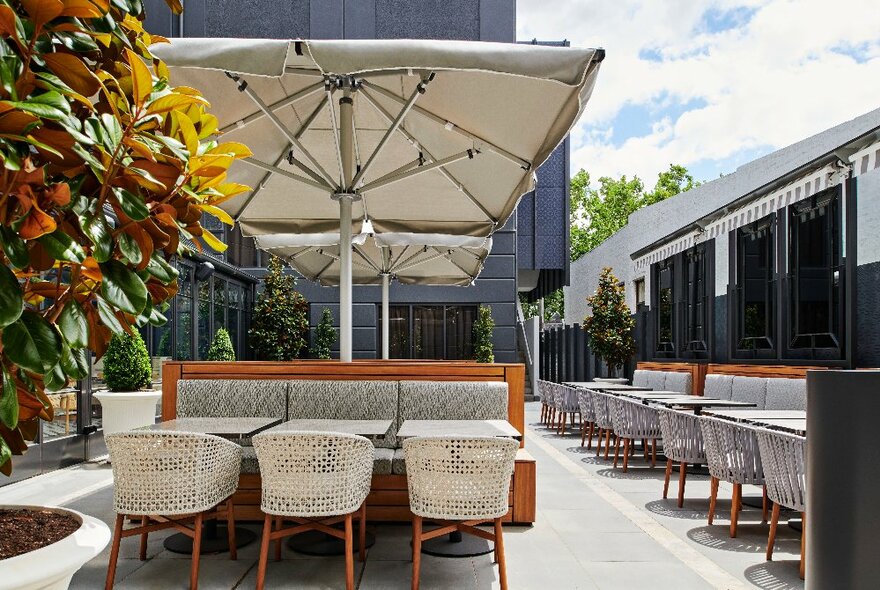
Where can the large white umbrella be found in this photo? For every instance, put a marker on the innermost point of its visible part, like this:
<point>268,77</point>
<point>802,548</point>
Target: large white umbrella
<point>375,262</point>
<point>419,137</point>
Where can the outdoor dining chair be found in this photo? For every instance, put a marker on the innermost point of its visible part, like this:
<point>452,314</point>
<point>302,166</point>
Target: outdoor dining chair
<point>459,483</point>
<point>682,444</point>
<point>316,480</point>
<point>567,406</point>
<point>634,421</point>
<point>171,480</point>
<point>588,418</point>
<point>732,455</point>
<point>785,472</point>
<point>602,415</point>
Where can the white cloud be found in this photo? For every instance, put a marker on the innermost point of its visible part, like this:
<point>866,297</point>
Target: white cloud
<point>794,68</point>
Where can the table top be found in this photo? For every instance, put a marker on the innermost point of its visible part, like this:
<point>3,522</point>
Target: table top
<point>226,427</point>
<point>368,428</point>
<point>791,425</point>
<point>606,386</point>
<point>698,401</point>
<point>411,428</point>
<point>758,415</point>
<point>652,394</point>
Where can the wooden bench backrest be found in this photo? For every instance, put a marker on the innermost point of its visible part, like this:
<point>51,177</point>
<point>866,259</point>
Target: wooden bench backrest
<point>766,371</point>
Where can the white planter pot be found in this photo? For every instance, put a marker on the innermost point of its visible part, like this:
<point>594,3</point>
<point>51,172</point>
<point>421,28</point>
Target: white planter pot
<point>52,567</point>
<point>127,410</point>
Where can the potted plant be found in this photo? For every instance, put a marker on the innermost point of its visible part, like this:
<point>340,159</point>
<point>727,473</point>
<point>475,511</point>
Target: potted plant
<point>325,336</point>
<point>106,166</point>
<point>129,402</point>
<point>609,328</point>
<point>221,347</point>
<point>483,349</point>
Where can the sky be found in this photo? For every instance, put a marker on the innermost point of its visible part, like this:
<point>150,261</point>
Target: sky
<point>711,84</point>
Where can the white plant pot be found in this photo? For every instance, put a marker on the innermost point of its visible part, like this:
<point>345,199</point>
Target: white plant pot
<point>52,567</point>
<point>127,410</point>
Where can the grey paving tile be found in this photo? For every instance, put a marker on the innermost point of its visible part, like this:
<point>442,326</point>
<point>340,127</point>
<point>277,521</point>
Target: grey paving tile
<point>437,573</point>
<point>638,576</point>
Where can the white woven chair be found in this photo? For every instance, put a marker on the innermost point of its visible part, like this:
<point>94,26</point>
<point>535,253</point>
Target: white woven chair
<point>567,406</point>
<point>588,418</point>
<point>732,455</point>
<point>602,416</point>
<point>458,483</point>
<point>634,421</point>
<point>315,479</point>
<point>159,475</point>
<point>682,444</point>
<point>783,457</point>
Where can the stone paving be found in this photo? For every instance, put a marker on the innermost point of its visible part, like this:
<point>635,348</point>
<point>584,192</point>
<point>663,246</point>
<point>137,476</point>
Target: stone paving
<point>597,528</point>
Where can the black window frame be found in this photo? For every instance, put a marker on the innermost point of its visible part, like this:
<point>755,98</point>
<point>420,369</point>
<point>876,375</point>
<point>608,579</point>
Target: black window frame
<point>739,237</point>
<point>668,351</point>
<point>411,338</point>
<point>697,299</point>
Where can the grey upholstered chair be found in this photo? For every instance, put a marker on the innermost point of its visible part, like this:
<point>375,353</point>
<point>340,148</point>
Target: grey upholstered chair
<point>634,421</point>
<point>169,480</point>
<point>732,455</point>
<point>718,386</point>
<point>784,460</point>
<point>682,444</point>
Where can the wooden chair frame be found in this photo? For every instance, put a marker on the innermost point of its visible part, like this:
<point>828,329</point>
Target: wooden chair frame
<point>273,531</point>
<point>181,524</point>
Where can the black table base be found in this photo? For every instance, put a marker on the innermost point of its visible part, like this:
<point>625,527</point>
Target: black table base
<point>456,545</point>
<point>320,544</point>
<point>214,540</point>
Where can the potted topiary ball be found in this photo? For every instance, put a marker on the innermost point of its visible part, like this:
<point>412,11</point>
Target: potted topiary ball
<point>130,402</point>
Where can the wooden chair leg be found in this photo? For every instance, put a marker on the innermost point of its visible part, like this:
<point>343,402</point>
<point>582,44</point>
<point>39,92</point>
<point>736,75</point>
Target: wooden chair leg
<point>653,453</point>
<point>590,436</point>
<point>608,440</point>
<point>499,555</point>
<point>197,552</point>
<point>142,554</point>
<point>230,529</point>
<point>713,498</point>
<point>279,522</point>
<point>616,450</point>
<point>114,551</point>
<point>666,478</point>
<point>349,553</point>
<point>599,442</point>
<point>682,476</point>
<point>362,532</point>
<point>803,544</point>
<point>417,550</point>
<point>264,552</point>
<point>644,450</point>
<point>734,508</point>
<point>626,445</point>
<point>771,538</point>
<point>583,433</point>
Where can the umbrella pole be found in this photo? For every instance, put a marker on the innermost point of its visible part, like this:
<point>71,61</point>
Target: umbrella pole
<point>386,320</point>
<point>346,145</point>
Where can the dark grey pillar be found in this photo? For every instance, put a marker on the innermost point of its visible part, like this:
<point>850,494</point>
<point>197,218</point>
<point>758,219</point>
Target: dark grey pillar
<point>843,479</point>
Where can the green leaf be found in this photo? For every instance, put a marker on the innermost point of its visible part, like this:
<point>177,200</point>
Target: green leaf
<point>130,249</point>
<point>75,362</point>
<point>5,453</point>
<point>14,247</point>
<point>49,105</point>
<point>32,343</point>
<point>132,204</point>
<point>95,227</point>
<point>122,288</point>
<point>55,379</point>
<point>105,312</point>
<point>61,246</point>
<point>73,325</point>
<point>159,268</point>
<point>11,301</point>
<point>8,402</point>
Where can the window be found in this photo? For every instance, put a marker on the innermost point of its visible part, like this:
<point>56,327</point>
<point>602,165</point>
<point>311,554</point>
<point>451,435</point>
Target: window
<point>696,300</point>
<point>755,285</point>
<point>815,272</point>
<point>640,292</point>
<point>429,331</point>
<point>665,308</point>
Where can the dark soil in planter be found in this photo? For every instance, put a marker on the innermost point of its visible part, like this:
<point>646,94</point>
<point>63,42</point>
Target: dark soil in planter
<point>28,530</point>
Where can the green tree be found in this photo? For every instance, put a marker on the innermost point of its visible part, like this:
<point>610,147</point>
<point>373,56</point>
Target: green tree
<point>598,212</point>
<point>221,347</point>
<point>554,303</point>
<point>609,329</point>
<point>325,335</point>
<point>127,363</point>
<point>281,321</point>
<point>483,350</point>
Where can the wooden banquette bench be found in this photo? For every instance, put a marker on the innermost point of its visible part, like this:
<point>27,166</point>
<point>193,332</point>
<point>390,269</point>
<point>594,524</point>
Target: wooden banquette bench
<point>360,391</point>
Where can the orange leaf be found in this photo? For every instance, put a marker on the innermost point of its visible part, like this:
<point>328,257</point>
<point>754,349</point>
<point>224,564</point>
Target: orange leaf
<point>141,78</point>
<point>42,11</point>
<point>140,149</point>
<point>59,194</point>
<point>73,72</point>
<point>81,9</point>
<point>91,270</point>
<point>15,122</point>
<point>7,22</point>
<point>144,242</point>
<point>36,224</point>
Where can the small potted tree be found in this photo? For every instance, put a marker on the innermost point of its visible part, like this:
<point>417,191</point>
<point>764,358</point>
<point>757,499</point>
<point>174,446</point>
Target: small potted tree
<point>221,347</point>
<point>281,317</point>
<point>483,350</point>
<point>609,328</point>
<point>325,336</point>
<point>129,402</point>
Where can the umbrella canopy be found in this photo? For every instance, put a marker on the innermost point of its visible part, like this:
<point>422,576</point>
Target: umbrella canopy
<point>418,137</point>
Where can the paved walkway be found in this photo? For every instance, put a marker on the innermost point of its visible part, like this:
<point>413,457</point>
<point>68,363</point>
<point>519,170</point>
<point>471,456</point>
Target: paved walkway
<point>596,528</point>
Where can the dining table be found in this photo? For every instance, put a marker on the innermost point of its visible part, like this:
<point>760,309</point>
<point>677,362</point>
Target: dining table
<point>756,415</point>
<point>605,386</point>
<point>698,402</point>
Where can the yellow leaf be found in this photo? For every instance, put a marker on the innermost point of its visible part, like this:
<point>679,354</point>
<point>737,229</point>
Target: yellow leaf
<point>232,148</point>
<point>141,78</point>
<point>188,134</point>
<point>212,241</point>
<point>161,69</point>
<point>209,165</point>
<point>172,102</point>
<point>230,189</point>
<point>217,212</point>
<point>208,125</point>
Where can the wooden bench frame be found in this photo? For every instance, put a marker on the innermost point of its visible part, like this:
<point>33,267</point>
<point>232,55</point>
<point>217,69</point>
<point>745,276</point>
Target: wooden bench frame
<point>389,497</point>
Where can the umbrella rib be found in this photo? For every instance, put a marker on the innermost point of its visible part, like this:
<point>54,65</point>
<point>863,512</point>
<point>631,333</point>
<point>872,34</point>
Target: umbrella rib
<point>403,251</point>
<point>275,106</point>
<point>286,173</point>
<point>359,252</point>
<point>408,105</point>
<point>319,170</point>
<point>281,157</point>
<point>397,177</point>
<point>448,257</point>
<point>446,173</point>
<point>430,258</point>
<point>521,162</point>
<point>335,130</point>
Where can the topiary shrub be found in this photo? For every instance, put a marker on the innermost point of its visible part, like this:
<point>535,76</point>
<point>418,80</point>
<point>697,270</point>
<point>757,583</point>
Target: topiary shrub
<point>609,329</point>
<point>325,336</point>
<point>483,351</point>
<point>127,363</point>
<point>281,317</point>
<point>221,347</point>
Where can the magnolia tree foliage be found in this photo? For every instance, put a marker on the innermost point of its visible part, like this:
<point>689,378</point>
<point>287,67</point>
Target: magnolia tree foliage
<point>221,347</point>
<point>281,317</point>
<point>127,363</point>
<point>325,336</point>
<point>483,349</point>
<point>105,166</point>
<point>609,329</point>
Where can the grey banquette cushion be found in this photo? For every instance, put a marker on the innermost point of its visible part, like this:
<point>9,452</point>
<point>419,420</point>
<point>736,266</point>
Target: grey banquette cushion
<point>786,394</point>
<point>750,389</point>
<point>678,382</point>
<point>640,378</point>
<point>228,398</point>
<point>656,380</point>
<point>718,386</point>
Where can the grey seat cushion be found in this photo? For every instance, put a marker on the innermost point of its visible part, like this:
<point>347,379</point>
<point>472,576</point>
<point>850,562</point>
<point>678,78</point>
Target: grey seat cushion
<point>786,394</point>
<point>640,378</point>
<point>750,389</point>
<point>656,380</point>
<point>398,464</point>
<point>226,398</point>
<point>249,463</point>
<point>718,386</point>
<point>346,400</point>
<point>679,382</point>
<point>453,400</point>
